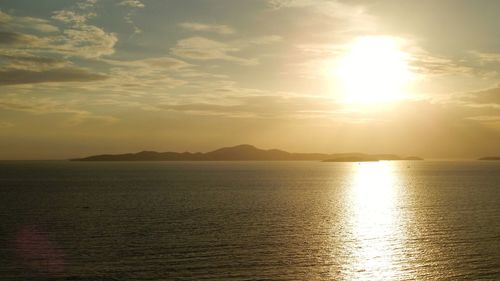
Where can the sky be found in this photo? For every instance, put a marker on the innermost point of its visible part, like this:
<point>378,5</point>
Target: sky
<point>99,76</point>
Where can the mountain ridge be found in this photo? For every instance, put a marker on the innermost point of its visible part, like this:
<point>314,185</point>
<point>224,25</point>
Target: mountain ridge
<point>243,152</point>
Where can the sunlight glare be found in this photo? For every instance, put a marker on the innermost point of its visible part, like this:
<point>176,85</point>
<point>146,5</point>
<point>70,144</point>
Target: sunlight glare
<point>374,221</point>
<point>374,70</point>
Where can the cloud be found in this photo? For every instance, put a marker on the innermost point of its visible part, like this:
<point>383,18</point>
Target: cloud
<point>4,17</point>
<point>488,96</point>
<point>281,4</point>
<point>14,38</point>
<point>216,28</point>
<point>34,23</point>
<point>37,24</point>
<point>149,76</point>
<point>87,41</point>
<point>329,27</point>
<point>53,106</point>
<point>423,62</point>
<point>21,76</point>
<point>487,57</point>
<point>82,116</point>
<point>268,106</point>
<point>263,40</point>
<point>160,63</point>
<point>71,17</point>
<point>165,62</point>
<point>86,4</point>
<point>488,118</point>
<point>132,3</point>
<point>31,62</point>
<point>343,17</point>
<point>5,125</point>
<point>79,14</point>
<point>201,48</point>
<point>81,39</point>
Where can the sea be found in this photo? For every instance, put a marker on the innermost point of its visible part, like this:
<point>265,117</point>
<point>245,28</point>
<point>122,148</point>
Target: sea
<point>302,220</point>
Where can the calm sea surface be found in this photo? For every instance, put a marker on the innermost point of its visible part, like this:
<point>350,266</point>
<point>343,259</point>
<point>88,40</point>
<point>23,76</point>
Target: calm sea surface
<point>250,221</point>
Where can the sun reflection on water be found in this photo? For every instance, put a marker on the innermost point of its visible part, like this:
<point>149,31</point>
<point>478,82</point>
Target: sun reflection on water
<point>374,222</point>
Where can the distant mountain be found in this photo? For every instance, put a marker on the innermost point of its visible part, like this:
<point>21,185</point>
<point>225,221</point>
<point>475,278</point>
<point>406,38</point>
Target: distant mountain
<point>490,158</point>
<point>244,152</point>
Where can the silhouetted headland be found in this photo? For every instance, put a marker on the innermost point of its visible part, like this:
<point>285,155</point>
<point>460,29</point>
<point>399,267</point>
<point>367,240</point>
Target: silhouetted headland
<point>243,152</point>
<point>491,158</point>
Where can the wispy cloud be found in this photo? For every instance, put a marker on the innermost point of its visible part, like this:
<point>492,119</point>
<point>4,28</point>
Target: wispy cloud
<point>27,61</point>
<point>260,106</point>
<point>161,63</point>
<point>485,57</point>
<point>5,125</point>
<point>429,64</point>
<point>261,40</point>
<point>489,96</point>
<point>201,48</point>
<point>15,38</point>
<point>280,4</point>
<point>4,17</point>
<point>78,39</point>
<point>487,118</point>
<point>81,39</point>
<point>216,28</point>
<point>30,59</point>
<point>41,25</point>
<point>22,76</point>
<point>72,17</point>
<point>87,41</point>
<point>132,3</point>
<point>345,17</point>
<point>43,106</point>
<point>38,24</point>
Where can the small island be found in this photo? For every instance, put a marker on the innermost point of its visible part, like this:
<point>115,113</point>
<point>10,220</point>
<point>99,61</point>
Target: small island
<point>413,158</point>
<point>352,159</point>
<point>490,158</point>
<point>374,158</point>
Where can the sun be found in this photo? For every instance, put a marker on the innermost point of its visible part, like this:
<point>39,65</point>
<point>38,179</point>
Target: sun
<point>373,70</point>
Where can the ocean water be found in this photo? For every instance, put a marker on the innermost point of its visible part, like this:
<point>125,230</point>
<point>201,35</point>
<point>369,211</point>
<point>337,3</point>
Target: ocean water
<point>425,220</point>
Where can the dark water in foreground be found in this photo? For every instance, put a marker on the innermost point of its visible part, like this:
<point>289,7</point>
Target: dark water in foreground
<point>250,221</point>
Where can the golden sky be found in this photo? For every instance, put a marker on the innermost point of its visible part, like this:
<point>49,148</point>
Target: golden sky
<point>406,77</point>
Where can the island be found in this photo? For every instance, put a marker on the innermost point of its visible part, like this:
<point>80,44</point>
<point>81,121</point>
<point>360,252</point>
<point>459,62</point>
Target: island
<point>412,158</point>
<point>372,158</point>
<point>244,152</point>
<point>490,158</point>
<point>352,159</point>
